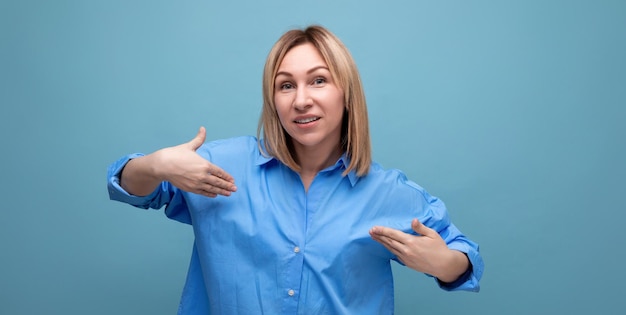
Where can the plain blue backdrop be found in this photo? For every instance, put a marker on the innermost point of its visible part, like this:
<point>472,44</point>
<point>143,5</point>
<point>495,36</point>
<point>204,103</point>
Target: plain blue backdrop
<point>512,112</point>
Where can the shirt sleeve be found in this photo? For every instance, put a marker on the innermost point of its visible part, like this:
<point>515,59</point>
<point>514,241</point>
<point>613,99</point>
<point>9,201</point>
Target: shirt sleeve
<point>470,280</point>
<point>435,216</point>
<point>164,195</point>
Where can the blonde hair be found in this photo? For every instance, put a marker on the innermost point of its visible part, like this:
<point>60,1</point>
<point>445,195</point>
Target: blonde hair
<point>355,138</point>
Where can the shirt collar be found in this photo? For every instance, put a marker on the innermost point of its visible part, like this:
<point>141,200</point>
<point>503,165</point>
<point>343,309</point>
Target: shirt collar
<point>263,157</point>
<point>343,162</point>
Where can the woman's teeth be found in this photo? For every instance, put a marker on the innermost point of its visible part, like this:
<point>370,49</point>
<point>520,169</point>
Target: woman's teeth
<point>306,120</point>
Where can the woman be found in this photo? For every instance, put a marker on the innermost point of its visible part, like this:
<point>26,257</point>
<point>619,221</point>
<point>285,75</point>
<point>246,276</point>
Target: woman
<point>300,221</point>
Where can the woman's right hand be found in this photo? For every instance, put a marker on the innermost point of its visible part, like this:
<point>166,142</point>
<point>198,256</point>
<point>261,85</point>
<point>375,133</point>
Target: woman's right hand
<point>187,170</point>
<point>182,167</point>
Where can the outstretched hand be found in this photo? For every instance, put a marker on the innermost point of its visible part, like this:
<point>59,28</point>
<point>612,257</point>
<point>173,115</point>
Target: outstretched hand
<point>426,252</point>
<point>184,168</point>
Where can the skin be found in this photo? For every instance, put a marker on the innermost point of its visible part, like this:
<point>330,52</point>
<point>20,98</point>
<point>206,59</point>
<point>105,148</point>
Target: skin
<point>426,252</point>
<point>310,107</point>
<point>182,167</point>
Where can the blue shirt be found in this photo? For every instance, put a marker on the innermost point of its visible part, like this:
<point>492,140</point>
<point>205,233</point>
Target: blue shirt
<point>272,248</point>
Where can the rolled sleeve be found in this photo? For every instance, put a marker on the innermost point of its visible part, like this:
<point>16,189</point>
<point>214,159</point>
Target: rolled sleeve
<point>117,193</point>
<point>470,280</point>
<point>438,219</point>
<point>432,212</point>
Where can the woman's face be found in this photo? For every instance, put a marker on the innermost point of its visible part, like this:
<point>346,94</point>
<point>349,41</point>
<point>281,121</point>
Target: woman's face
<point>309,103</point>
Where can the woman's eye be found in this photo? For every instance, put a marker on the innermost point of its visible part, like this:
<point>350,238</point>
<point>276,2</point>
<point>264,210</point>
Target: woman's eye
<point>286,86</point>
<point>318,81</point>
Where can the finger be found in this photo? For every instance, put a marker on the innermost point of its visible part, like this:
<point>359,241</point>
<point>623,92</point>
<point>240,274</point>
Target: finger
<point>390,233</point>
<point>216,190</point>
<point>211,191</point>
<point>227,179</point>
<point>198,140</point>
<point>420,228</point>
<point>392,245</point>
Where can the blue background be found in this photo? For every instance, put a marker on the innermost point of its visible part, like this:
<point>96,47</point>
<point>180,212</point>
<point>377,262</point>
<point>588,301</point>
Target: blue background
<point>512,112</point>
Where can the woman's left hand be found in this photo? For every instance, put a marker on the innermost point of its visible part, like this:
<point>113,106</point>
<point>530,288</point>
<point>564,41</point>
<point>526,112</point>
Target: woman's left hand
<point>426,252</point>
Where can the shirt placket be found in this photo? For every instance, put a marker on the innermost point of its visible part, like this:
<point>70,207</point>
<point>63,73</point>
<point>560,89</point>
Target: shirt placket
<point>291,290</point>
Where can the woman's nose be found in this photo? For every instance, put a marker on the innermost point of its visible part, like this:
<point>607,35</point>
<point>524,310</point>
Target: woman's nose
<point>303,99</point>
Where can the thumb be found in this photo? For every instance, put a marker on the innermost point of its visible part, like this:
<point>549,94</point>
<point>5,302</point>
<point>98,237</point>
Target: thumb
<point>420,228</point>
<point>196,142</point>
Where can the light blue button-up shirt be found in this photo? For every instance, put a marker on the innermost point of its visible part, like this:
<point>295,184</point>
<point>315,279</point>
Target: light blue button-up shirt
<point>272,248</point>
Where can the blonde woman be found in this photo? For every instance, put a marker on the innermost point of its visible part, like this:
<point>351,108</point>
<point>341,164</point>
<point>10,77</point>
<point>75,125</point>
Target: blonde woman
<point>299,219</point>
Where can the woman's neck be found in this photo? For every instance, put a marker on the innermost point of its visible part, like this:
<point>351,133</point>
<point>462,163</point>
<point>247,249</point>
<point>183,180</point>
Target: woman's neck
<point>313,160</point>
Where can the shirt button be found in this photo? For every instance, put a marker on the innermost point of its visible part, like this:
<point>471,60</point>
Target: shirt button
<point>291,292</point>
<point>296,249</point>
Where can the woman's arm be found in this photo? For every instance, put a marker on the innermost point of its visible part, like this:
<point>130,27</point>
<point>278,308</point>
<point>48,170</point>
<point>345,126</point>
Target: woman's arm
<point>426,252</point>
<point>181,166</point>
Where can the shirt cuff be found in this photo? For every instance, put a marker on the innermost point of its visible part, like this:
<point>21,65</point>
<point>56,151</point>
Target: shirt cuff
<point>117,193</point>
<point>470,280</point>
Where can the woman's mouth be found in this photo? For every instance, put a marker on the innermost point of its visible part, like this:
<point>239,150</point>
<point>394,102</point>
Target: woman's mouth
<point>306,120</point>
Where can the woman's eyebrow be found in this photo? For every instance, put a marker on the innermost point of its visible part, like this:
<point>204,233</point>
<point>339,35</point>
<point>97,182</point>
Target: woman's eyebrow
<point>316,68</point>
<point>308,72</point>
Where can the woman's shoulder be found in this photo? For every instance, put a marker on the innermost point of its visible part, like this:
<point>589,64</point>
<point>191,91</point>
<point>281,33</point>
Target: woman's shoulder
<point>377,171</point>
<point>230,148</point>
<point>239,142</point>
<point>392,178</point>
